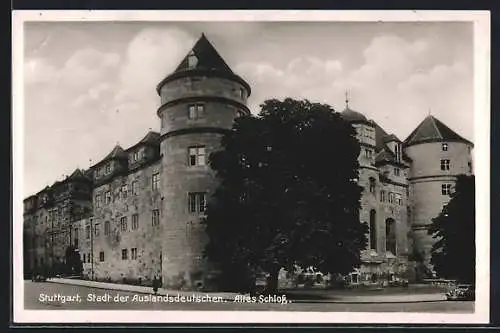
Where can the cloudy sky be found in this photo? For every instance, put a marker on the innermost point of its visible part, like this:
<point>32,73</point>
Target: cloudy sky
<point>91,85</point>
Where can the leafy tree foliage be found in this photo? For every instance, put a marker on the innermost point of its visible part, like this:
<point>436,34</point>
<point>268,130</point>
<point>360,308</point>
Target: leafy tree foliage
<point>454,253</point>
<point>288,194</point>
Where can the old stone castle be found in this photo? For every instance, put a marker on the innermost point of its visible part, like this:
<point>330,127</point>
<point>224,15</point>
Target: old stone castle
<point>134,214</point>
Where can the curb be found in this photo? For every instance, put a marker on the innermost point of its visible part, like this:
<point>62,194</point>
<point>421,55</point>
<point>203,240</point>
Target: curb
<point>143,292</point>
<point>231,298</point>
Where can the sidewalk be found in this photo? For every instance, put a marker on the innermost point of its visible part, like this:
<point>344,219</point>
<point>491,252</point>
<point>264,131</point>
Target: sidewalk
<point>347,299</point>
<point>139,289</point>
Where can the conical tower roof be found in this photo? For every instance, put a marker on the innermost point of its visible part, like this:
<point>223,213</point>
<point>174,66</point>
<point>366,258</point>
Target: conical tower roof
<point>204,56</point>
<point>432,129</point>
<point>203,59</point>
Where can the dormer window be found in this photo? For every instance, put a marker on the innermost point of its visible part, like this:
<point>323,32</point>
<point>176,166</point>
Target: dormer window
<point>135,156</point>
<point>192,60</point>
<point>397,151</point>
<point>108,168</point>
<point>444,147</point>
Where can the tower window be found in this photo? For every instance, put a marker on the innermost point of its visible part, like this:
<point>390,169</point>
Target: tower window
<point>98,201</point>
<point>106,228</point>
<point>97,229</point>
<point>155,217</point>
<point>197,202</point>
<point>242,93</point>
<point>196,111</point>
<point>396,172</point>
<point>196,156</point>
<point>108,197</point>
<point>134,187</point>
<point>101,256</point>
<point>373,229</point>
<point>372,185</point>
<point>445,164</point>
<point>444,147</point>
<point>446,189</point>
<point>124,254</point>
<point>391,197</point>
<point>156,181</point>
<point>368,153</point>
<point>382,196</point>
<point>87,232</point>
<point>124,190</point>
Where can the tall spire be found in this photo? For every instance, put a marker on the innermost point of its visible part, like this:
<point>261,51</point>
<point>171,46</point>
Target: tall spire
<point>346,99</point>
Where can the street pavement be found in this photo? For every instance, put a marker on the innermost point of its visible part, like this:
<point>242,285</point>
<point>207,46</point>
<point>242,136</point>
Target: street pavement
<point>47,296</point>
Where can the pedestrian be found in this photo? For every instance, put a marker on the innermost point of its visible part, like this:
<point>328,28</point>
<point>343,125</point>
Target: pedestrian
<point>155,285</point>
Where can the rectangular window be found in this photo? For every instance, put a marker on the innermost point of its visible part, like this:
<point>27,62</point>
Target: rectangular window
<point>135,221</point>
<point>101,256</point>
<point>124,190</point>
<point>382,196</point>
<point>88,257</point>
<point>445,164</point>
<point>396,171</point>
<point>391,197</point>
<point>97,230</point>
<point>133,253</point>
<point>444,146</point>
<point>108,197</point>
<point>98,201</point>
<point>84,259</point>
<point>196,156</point>
<point>124,254</point>
<point>446,189</point>
<point>106,228</point>
<point>196,111</point>
<point>197,202</point>
<point>87,232</point>
<point>155,219</point>
<point>135,156</point>
<point>156,181</point>
<point>368,153</point>
<point>123,223</point>
<point>75,239</point>
<point>399,199</point>
<point>134,187</point>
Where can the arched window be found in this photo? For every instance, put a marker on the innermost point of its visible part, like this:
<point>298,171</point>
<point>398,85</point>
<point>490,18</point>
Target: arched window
<point>373,229</point>
<point>372,185</point>
<point>390,236</point>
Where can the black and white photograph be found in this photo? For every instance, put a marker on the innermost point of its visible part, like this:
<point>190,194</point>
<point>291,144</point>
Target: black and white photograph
<point>251,166</point>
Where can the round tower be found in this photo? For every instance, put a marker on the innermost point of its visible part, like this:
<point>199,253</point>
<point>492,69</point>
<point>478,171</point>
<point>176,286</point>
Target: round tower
<point>438,156</point>
<point>199,102</point>
<point>368,176</point>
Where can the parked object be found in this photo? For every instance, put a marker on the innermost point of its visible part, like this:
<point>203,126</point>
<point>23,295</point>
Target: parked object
<point>462,292</point>
<point>38,278</point>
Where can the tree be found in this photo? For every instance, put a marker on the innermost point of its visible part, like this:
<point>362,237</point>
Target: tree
<point>288,194</point>
<point>454,253</point>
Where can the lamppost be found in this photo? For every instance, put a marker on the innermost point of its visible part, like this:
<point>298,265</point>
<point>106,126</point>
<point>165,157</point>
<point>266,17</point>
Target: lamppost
<point>52,243</point>
<point>91,249</point>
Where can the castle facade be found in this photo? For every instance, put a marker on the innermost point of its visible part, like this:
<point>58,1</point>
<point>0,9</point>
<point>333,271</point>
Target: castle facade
<point>134,215</point>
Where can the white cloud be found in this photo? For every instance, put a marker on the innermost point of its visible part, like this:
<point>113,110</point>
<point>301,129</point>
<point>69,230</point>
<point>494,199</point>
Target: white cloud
<point>395,85</point>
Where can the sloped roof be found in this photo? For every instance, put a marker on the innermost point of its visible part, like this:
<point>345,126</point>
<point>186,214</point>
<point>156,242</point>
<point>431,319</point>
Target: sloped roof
<point>117,152</point>
<point>391,137</point>
<point>432,129</point>
<point>207,57</point>
<point>151,138</point>
<point>78,175</point>
<point>353,116</point>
